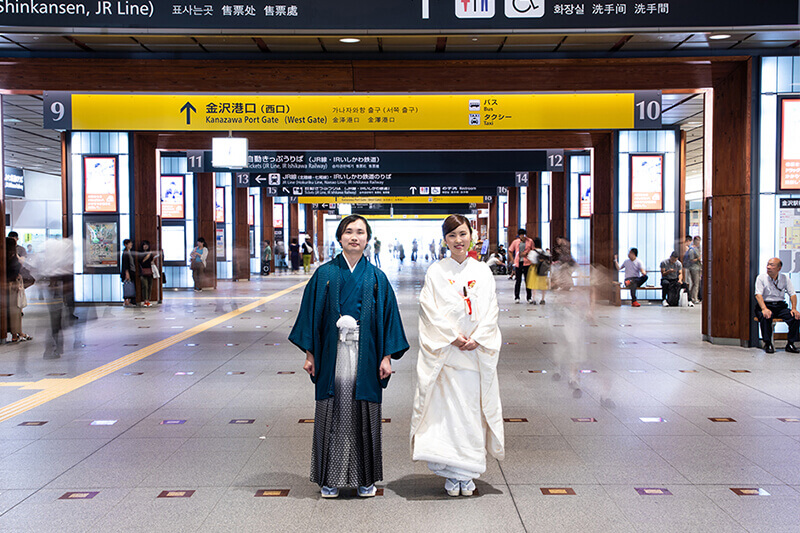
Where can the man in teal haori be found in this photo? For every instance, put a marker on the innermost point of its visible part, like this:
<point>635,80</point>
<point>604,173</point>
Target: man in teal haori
<point>350,329</point>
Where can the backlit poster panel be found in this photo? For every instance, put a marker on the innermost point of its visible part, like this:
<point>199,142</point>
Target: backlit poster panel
<point>790,144</point>
<point>647,182</point>
<point>101,239</point>
<point>277,216</point>
<point>585,191</point>
<point>219,204</point>
<point>251,210</point>
<point>100,184</point>
<point>172,200</point>
<point>220,244</point>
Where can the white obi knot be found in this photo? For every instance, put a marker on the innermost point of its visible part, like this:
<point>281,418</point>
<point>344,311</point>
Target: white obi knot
<point>348,328</point>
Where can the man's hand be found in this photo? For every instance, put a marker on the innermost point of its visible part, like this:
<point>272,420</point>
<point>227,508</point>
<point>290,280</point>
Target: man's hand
<point>308,366</point>
<point>795,314</point>
<point>385,369</point>
<point>469,345</point>
<point>767,313</point>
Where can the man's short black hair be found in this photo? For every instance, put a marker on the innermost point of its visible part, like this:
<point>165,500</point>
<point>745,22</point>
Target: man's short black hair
<point>635,251</point>
<point>688,238</point>
<point>346,221</point>
<point>521,231</point>
<point>13,235</point>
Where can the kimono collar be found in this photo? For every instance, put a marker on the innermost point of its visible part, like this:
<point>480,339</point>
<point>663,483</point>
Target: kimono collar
<point>351,267</point>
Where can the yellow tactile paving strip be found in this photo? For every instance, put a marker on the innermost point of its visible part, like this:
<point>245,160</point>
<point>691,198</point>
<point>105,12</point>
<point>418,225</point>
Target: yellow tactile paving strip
<point>56,388</point>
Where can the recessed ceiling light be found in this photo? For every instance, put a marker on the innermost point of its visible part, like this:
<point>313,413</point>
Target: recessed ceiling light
<point>719,36</point>
<point>349,40</point>
<point>474,38</point>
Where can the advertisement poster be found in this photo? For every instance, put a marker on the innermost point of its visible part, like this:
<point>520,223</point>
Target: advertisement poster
<point>585,190</point>
<point>102,244</point>
<point>790,144</point>
<point>647,182</point>
<point>100,184</point>
<point>277,216</point>
<point>220,249</point>
<point>219,204</point>
<point>173,242</point>
<point>251,210</point>
<point>172,202</point>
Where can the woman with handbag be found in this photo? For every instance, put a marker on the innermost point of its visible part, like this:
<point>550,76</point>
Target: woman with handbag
<point>197,262</point>
<point>128,274</point>
<point>146,257</point>
<point>16,292</point>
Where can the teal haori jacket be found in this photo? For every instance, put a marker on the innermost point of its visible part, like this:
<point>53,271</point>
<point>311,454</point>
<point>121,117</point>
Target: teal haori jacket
<point>380,328</point>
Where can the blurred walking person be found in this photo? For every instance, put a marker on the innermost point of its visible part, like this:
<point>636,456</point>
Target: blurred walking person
<point>197,263</point>
<point>15,291</point>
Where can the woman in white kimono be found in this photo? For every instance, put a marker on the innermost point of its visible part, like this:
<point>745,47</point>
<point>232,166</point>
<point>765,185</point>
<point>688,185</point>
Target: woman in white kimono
<point>457,414</point>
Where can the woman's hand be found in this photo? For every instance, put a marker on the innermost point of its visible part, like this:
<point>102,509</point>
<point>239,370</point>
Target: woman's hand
<point>460,341</point>
<point>127,275</point>
<point>308,366</point>
<point>385,369</point>
<point>469,345</point>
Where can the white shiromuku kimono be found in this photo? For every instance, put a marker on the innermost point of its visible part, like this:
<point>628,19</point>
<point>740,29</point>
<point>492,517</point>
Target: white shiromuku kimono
<point>457,416</point>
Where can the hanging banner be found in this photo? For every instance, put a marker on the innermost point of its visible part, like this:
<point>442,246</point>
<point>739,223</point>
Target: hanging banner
<point>352,112</point>
<point>412,15</point>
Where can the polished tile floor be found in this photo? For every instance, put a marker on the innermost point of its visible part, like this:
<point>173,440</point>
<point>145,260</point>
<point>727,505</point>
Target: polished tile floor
<point>187,417</point>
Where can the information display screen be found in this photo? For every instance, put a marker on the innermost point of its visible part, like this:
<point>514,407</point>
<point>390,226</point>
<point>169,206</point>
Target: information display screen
<point>172,198</point>
<point>647,182</point>
<point>100,184</point>
<point>219,204</point>
<point>585,191</point>
<point>173,241</point>
<point>790,144</point>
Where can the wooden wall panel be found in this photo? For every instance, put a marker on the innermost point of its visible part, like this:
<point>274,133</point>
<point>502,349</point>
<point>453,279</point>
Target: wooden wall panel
<point>513,214</point>
<point>294,223</point>
<point>532,205</point>
<point>495,227</point>
<point>241,236</point>
<point>558,207</point>
<point>206,227</point>
<point>145,201</point>
<point>731,143</point>
<point>604,190</point>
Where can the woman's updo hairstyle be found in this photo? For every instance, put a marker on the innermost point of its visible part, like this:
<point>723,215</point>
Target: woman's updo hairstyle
<point>454,221</point>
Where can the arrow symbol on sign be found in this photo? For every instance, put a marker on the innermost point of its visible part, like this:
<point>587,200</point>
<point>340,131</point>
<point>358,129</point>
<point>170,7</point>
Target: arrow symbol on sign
<point>260,178</point>
<point>287,191</point>
<point>188,107</point>
<point>413,190</point>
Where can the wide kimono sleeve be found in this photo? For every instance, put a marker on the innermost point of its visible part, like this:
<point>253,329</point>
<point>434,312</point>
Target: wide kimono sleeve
<point>307,333</point>
<point>395,342</point>
<point>487,333</point>
<point>436,331</point>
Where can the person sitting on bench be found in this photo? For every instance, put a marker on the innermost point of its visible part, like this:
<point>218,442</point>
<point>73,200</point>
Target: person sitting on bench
<point>671,280</point>
<point>770,289</point>
<point>635,274</point>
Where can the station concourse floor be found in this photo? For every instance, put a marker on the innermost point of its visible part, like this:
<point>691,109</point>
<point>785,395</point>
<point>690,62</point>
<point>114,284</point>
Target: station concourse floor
<point>207,396</point>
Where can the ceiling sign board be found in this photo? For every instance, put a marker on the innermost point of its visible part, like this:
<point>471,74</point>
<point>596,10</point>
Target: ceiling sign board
<point>390,199</point>
<point>351,112</point>
<point>417,15</point>
<point>279,166</point>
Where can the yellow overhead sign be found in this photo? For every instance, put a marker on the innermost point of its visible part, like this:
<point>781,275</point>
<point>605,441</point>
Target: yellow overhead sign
<point>390,199</point>
<point>351,112</point>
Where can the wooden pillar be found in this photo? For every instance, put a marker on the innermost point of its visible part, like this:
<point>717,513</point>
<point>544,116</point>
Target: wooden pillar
<point>241,235</point>
<point>533,225</point>
<point>513,213</point>
<point>482,230</point>
<point>558,209</point>
<point>319,234</point>
<point>146,219</point>
<point>267,221</point>
<point>604,191</point>
<point>309,215</point>
<point>495,236</point>
<point>206,227</point>
<point>294,225</point>
<point>727,283</point>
